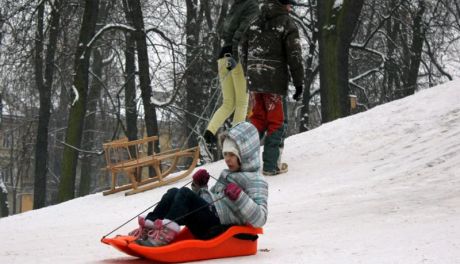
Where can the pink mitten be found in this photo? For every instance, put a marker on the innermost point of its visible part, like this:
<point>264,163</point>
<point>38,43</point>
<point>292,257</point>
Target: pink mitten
<point>232,191</point>
<point>201,177</point>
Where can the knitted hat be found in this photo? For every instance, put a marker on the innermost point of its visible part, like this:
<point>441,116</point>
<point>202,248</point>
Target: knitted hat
<point>288,2</point>
<point>229,145</point>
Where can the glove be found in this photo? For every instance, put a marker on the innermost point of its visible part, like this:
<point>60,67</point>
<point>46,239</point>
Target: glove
<point>298,93</point>
<point>232,191</point>
<point>231,63</point>
<point>201,177</point>
<point>225,50</point>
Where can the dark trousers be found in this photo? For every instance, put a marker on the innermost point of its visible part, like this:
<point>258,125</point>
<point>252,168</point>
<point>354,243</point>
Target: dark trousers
<point>177,205</point>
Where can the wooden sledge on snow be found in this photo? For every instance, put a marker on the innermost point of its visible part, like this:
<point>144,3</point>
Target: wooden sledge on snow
<point>235,241</point>
<point>129,158</point>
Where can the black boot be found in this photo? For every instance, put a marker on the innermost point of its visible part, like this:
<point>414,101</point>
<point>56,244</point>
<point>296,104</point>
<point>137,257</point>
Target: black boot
<point>210,138</point>
<point>208,147</point>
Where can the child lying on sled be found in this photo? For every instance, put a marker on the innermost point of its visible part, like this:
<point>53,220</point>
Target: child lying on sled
<point>239,197</point>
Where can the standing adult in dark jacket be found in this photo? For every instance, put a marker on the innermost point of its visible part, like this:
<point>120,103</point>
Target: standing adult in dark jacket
<point>231,75</point>
<point>270,51</point>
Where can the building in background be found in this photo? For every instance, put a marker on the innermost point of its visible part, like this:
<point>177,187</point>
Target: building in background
<point>16,163</point>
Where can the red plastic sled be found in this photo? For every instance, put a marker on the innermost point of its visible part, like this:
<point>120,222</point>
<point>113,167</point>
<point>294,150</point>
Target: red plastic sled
<point>236,241</point>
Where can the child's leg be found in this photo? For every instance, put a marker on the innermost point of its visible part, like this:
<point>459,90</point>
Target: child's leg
<point>275,113</point>
<point>271,154</point>
<point>275,131</point>
<point>259,115</point>
<point>286,126</point>
<point>198,222</point>
<point>241,94</point>
<point>228,98</point>
<point>163,206</point>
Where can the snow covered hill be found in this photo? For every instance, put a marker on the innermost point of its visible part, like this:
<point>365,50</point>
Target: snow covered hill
<point>378,187</point>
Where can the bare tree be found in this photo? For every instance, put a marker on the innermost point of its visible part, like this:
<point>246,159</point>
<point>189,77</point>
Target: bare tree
<point>200,32</point>
<point>4,211</point>
<point>336,27</point>
<point>151,122</point>
<point>95,89</point>
<point>309,28</point>
<point>44,86</point>
<point>414,54</point>
<point>398,48</point>
<point>79,104</point>
<point>130,71</point>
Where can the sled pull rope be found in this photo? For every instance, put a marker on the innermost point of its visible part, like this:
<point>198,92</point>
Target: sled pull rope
<point>120,226</point>
<point>175,220</point>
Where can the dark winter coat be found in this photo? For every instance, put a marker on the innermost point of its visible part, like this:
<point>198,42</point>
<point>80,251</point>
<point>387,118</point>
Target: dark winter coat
<point>237,20</point>
<point>269,46</point>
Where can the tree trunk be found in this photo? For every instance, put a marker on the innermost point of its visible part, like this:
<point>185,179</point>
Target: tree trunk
<point>310,74</point>
<point>391,82</point>
<point>78,108</point>
<point>194,91</point>
<point>4,211</point>
<point>41,148</point>
<point>43,117</point>
<point>336,27</point>
<point>144,75</point>
<point>90,125</point>
<point>130,87</point>
<point>418,36</point>
<point>130,90</point>
<point>87,162</point>
<point>61,114</point>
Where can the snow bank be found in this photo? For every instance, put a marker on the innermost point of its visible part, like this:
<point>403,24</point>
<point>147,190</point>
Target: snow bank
<point>378,187</point>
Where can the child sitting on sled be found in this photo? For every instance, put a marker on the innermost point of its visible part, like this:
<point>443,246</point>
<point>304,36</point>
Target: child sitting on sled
<point>239,197</point>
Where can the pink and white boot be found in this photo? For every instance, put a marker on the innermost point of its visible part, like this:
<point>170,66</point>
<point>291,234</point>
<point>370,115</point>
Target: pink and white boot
<point>163,232</point>
<point>145,226</point>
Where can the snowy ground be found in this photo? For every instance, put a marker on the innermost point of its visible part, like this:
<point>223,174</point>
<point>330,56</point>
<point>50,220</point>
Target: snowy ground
<point>377,187</point>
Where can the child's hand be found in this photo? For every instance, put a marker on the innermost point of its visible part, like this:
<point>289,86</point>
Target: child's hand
<point>231,63</point>
<point>232,191</point>
<point>298,93</point>
<point>201,177</point>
